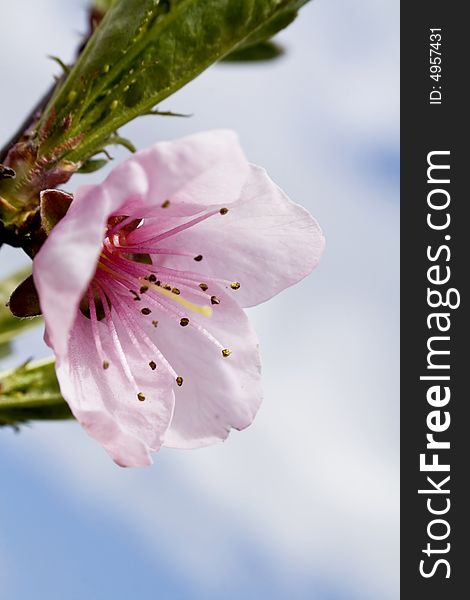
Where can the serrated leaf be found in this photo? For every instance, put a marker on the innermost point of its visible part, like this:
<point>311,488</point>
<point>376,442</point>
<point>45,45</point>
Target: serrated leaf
<point>141,53</point>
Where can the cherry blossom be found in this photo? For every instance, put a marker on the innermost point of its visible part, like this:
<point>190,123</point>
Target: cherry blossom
<point>143,283</point>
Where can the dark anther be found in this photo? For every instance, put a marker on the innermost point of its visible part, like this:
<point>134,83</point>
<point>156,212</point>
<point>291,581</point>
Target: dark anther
<point>215,300</point>
<point>6,172</point>
<point>184,321</point>
<point>152,365</point>
<point>146,311</point>
<point>198,258</point>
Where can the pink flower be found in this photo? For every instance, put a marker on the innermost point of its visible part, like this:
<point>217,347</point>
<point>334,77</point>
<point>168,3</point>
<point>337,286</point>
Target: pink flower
<point>142,286</point>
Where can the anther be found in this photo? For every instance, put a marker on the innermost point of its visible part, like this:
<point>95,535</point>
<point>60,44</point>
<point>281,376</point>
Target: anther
<point>146,311</point>
<point>179,381</point>
<point>203,286</point>
<point>215,300</point>
<point>235,285</point>
<point>226,352</point>
<point>223,211</point>
<point>152,365</point>
<point>198,258</point>
<point>184,321</point>
<point>105,365</point>
<point>152,278</point>
<point>141,396</point>
<point>176,291</point>
<point>166,204</point>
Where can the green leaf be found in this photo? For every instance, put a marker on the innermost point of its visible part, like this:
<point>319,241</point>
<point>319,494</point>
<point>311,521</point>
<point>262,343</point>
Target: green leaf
<point>65,68</point>
<point>103,5</point>
<point>90,166</point>
<point>258,52</point>
<point>31,392</point>
<point>142,52</point>
<point>11,326</point>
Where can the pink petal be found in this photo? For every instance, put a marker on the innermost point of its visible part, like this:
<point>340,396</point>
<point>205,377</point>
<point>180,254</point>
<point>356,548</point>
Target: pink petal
<point>66,263</point>
<point>193,173</point>
<point>265,242</point>
<point>105,401</point>
<point>217,392</point>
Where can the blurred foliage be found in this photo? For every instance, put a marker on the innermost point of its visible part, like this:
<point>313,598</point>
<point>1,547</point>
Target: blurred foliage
<point>103,5</point>
<point>11,326</point>
<point>29,392</point>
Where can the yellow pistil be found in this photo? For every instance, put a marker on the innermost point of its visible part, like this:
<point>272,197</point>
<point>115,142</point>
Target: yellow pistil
<point>203,310</point>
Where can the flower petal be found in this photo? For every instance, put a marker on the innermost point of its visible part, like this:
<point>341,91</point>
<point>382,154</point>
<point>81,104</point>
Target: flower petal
<point>217,392</point>
<point>265,242</point>
<point>65,265</point>
<point>192,173</point>
<point>104,401</point>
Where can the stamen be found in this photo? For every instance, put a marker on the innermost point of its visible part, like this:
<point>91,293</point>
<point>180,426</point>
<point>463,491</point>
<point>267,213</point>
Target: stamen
<point>176,291</point>
<point>95,328</point>
<point>223,211</point>
<point>184,322</point>
<point>215,300</point>
<point>115,339</point>
<point>140,396</point>
<point>152,365</point>
<point>198,258</point>
<point>130,323</point>
<point>170,232</point>
<point>179,381</point>
<point>206,311</point>
<point>146,311</point>
<point>203,286</point>
<point>235,285</point>
<point>226,352</point>
<point>125,221</point>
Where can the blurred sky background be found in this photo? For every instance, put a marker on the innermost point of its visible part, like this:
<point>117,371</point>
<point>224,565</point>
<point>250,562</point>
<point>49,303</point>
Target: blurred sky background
<point>303,505</point>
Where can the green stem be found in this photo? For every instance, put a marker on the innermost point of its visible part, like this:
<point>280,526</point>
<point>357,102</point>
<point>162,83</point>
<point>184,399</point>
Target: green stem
<point>31,392</point>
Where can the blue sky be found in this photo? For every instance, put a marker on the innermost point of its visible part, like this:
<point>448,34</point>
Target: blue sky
<point>303,504</point>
